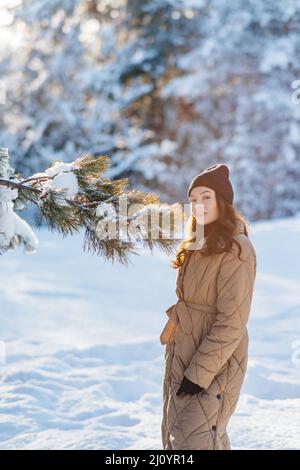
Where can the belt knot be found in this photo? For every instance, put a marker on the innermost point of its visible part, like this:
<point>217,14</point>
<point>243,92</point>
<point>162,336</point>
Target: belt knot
<point>178,312</point>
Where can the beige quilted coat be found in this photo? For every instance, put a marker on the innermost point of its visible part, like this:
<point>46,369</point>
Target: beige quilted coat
<point>206,340</point>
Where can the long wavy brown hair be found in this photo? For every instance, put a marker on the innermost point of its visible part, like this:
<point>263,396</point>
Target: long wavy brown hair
<point>219,239</point>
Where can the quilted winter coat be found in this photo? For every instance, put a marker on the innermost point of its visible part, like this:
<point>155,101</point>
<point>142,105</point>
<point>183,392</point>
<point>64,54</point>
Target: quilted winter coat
<point>206,340</point>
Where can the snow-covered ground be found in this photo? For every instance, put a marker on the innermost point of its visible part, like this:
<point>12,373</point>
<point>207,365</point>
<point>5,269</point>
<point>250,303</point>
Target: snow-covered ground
<point>84,363</point>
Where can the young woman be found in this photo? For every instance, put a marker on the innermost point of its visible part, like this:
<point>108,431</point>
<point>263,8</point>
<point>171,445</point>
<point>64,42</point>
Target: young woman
<point>205,338</point>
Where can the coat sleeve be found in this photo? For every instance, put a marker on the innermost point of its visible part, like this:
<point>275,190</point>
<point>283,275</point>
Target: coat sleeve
<point>235,281</point>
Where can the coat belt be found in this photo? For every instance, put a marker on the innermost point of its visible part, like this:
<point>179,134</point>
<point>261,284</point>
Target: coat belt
<point>178,312</point>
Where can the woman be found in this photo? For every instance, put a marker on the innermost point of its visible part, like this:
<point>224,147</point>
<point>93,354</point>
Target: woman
<point>206,337</point>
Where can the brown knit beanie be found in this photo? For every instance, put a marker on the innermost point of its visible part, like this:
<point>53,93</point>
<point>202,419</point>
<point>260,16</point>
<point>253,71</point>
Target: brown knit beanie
<point>215,177</point>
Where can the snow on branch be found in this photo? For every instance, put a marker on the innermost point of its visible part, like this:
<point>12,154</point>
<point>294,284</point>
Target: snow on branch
<point>71,196</point>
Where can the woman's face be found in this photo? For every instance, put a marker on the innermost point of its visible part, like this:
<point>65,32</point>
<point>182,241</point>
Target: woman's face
<point>204,205</point>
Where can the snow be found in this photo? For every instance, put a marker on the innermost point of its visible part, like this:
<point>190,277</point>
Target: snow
<point>84,364</point>
<point>61,177</point>
<point>13,229</point>
<point>25,234</point>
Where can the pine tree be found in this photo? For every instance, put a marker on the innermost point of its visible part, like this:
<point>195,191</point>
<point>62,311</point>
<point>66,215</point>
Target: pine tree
<point>73,195</point>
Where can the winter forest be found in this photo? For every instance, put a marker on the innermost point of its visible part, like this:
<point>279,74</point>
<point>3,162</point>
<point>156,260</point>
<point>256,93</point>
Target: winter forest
<point>149,93</point>
<point>164,87</point>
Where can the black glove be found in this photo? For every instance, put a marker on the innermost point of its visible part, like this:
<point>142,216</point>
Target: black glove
<point>187,386</point>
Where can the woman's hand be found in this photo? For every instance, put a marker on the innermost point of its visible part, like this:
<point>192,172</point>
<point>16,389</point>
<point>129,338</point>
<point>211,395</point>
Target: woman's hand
<point>189,387</point>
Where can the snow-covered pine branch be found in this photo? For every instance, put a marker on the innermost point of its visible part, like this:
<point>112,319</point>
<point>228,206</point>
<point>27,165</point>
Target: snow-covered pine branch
<point>13,230</point>
<point>71,196</point>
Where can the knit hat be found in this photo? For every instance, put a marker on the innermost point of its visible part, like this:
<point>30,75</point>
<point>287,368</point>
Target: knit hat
<point>215,177</point>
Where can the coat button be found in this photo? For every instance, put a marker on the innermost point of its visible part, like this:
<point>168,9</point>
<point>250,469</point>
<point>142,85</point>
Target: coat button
<point>214,427</point>
<point>218,396</point>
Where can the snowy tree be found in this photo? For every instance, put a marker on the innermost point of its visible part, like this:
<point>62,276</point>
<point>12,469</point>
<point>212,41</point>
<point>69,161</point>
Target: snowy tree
<point>13,230</point>
<point>73,195</point>
<point>87,79</point>
<point>67,91</point>
<point>234,103</point>
<point>164,87</point>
